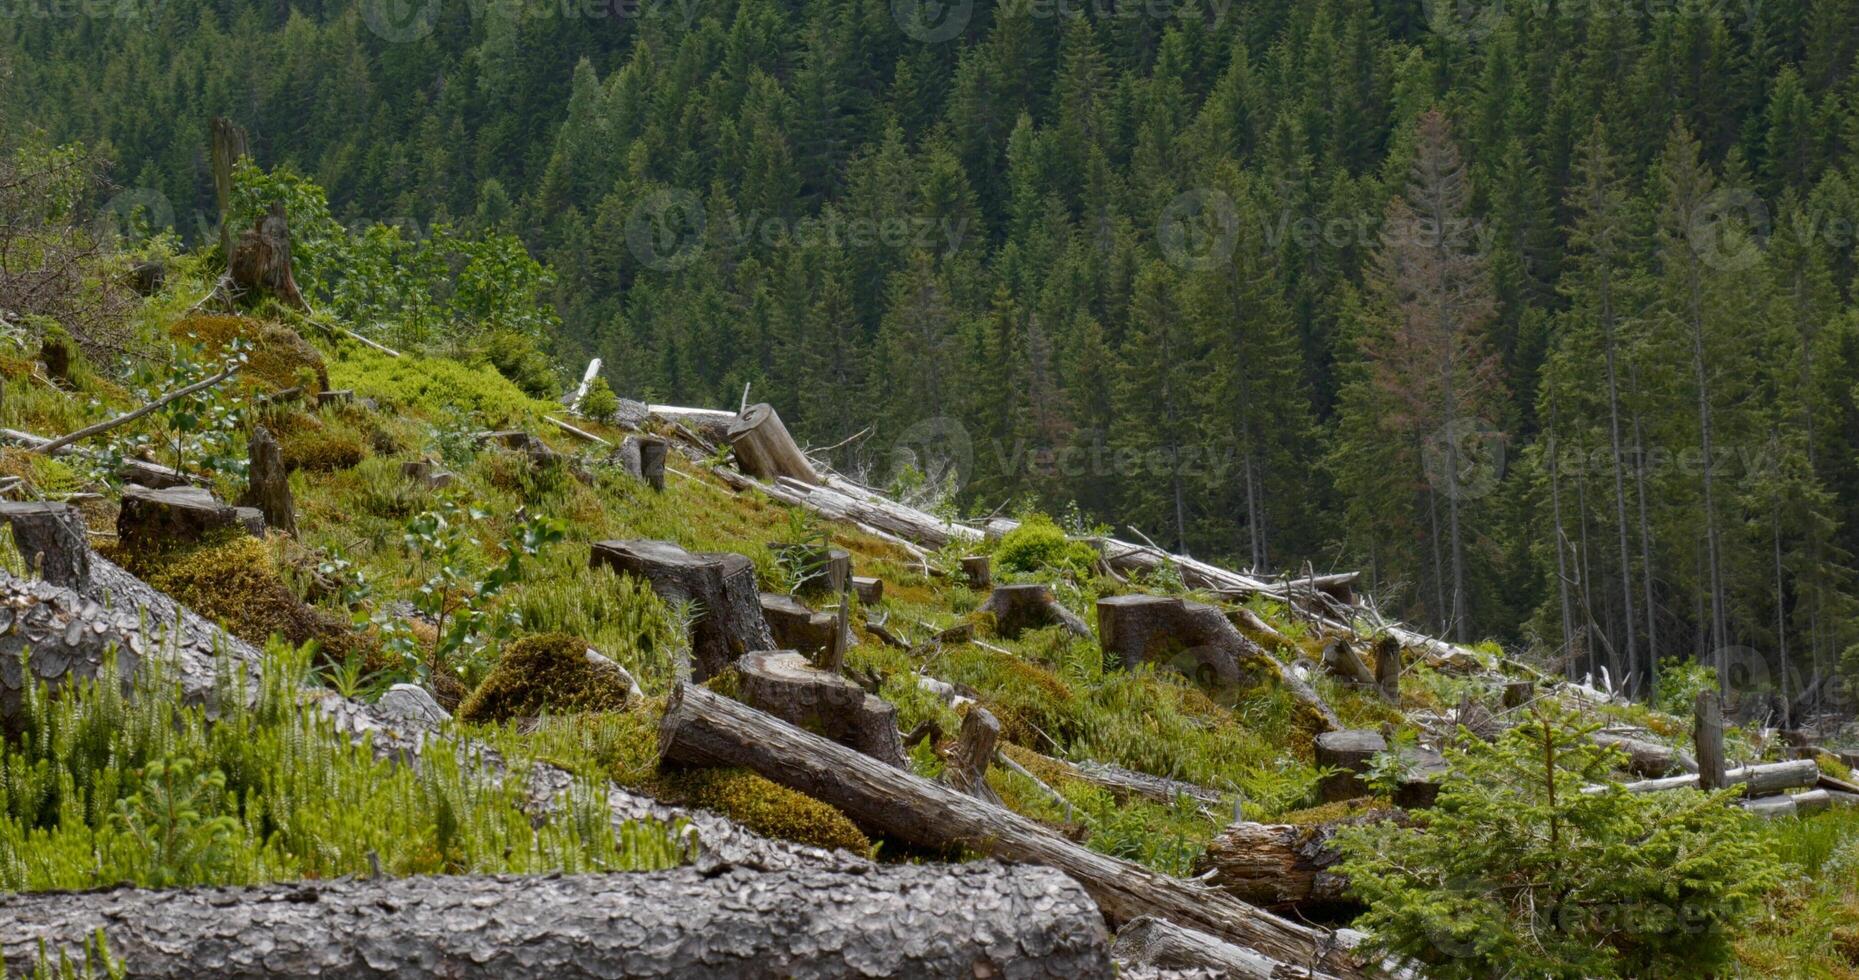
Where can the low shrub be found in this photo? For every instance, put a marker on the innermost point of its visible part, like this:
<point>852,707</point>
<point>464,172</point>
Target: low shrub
<point>1039,545</point>
<point>549,673</point>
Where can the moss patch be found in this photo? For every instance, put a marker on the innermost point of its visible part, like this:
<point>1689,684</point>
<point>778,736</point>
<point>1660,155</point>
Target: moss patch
<point>321,450</point>
<point>546,672</point>
<point>279,357</point>
<point>766,807</point>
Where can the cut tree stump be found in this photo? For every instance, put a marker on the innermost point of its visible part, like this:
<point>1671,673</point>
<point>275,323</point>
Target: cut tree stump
<point>1350,751</point>
<point>796,627</point>
<point>1157,944</point>
<point>152,475</point>
<point>783,684</point>
<point>1284,867</point>
<point>1518,693</point>
<point>152,518</point>
<point>824,570</point>
<point>52,541</point>
<point>967,766</point>
<point>267,485</point>
<point>643,458</point>
<point>703,728</point>
<point>870,590</point>
<point>971,920</point>
<point>977,572</point>
<point>764,449</point>
<point>519,441</point>
<point>1707,733</point>
<point>1388,668</point>
<point>1199,641</point>
<point>261,262</point>
<point>729,620</point>
<point>428,473</point>
<point>1018,608</point>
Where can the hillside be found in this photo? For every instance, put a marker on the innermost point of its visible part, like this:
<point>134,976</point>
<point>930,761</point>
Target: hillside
<point>392,681</point>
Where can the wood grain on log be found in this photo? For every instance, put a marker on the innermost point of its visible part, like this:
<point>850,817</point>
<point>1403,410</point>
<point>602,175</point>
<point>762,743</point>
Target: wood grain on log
<point>1645,757</point>
<point>701,727</point>
<point>52,541</point>
<point>765,450</point>
<point>783,684</point>
<point>1281,866</point>
<point>1162,945</point>
<point>964,921</point>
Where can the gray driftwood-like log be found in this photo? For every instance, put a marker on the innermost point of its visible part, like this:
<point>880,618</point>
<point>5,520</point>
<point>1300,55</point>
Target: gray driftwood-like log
<point>267,485</point>
<point>1018,608</point>
<point>1757,780</point>
<point>1197,640</point>
<point>152,475</point>
<point>729,619</point>
<point>1341,660</point>
<point>1158,944</point>
<point>1707,734</point>
<point>177,514</point>
<point>965,921</point>
<point>783,684</point>
<point>977,572</point>
<point>765,450</point>
<point>796,627</point>
<point>703,728</point>
<point>1127,784</point>
<point>967,767</point>
<point>52,540</point>
<point>1645,757</point>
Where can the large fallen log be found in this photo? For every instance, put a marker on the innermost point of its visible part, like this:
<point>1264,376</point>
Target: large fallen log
<point>973,920</point>
<point>1761,779</point>
<point>1162,945</point>
<point>765,450</point>
<point>1646,757</point>
<point>703,728</point>
<point>1281,866</point>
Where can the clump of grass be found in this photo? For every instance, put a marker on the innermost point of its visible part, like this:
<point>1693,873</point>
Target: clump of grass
<point>1039,545</point>
<point>322,449</point>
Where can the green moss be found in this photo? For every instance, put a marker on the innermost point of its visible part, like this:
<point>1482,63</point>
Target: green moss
<point>279,358</point>
<point>434,386</point>
<point>1040,545</point>
<point>44,475</point>
<point>549,673</point>
<point>766,807</point>
<point>321,449</point>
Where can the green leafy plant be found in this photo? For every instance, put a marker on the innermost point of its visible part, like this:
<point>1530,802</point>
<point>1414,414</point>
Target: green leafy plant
<point>599,401</point>
<point>1520,872</point>
<point>1040,545</point>
<point>455,594</point>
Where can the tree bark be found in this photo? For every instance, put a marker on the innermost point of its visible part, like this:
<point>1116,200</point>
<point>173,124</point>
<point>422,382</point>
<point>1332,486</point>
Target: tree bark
<point>268,483</point>
<point>1018,608</point>
<point>229,144</point>
<point>1340,659</point>
<point>1282,867</point>
<point>967,766</point>
<point>765,450</point>
<point>707,729</point>
<point>1161,945</point>
<point>729,612</point>
<point>52,540</point>
<point>870,590</point>
<point>1388,668</point>
<point>973,920</point>
<point>1646,758</point>
<point>976,571</point>
<point>261,262</point>
<point>1707,732</point>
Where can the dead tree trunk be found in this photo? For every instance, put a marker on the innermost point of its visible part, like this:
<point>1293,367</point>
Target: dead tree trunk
<point>796,627</point>
<point>729,620</point>
<point>52,540</point>
<point>260,263</point>
<point>1707,731</point>
<point>1158,944</point>
<point>972,920</point>
<point>1757,780</point>
<point>704,728</point>
<point>1018,608</point>
<point>967,767</point>
<point>1198,641</point>
<point>783,684</point>
<point>268,483</point>
<point>764,449</point>
<point>1388,668</point>
<point>229,144</point>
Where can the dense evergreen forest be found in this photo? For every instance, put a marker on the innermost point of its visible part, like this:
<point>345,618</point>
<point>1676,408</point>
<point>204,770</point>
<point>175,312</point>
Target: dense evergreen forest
<point>1540,314</point>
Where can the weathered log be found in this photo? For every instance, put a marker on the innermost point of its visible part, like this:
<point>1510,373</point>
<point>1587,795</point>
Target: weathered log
<point>1281,866</point>
<point>1018,608</point>
<point>765,450</point>
<point>840,499</point>
<point>52,541</point>
<point>977,571</point>
<point>870,590</point>
<point>783,684</point>
<point>152,518</point>
<point>967,766</point>
<point>981,919</point>
<point>703,728</point>
<point>1198,641</point>
<point>267,484</point>
<point>1707,733</point>
<point>1757,780</point>
<point>573,399</point>
<point>152,475</point>
<point>1340,659</point>
<point>1158,944</point>
<point>1645,757</point>
<point>1126,784</point>
<point>261,262</point>
<point>729,620</point>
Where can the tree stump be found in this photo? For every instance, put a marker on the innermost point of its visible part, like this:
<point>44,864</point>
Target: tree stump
<point>784,684</point>
<point>153,518</point>
<point>796,627</point>
<point>1388,668</point>
<point>870,590</point>
<point>764,449</point>
<point>55,351</point>
<point>1198,641</point>
<point>1018,608</point>
<point>822,570</point>
<point>229,144</point>
<point>267,485</point>
<point>652,460</point>
<point>516,440</point>
<point>146,278</point>
<point>1707,732</point>
<point>1348,751</point>
<point>1282,867</point>
<point>977,572</point>
<point>966,769</point>
<point>428,473</point>
<point>1340,660</point>
<point>52,540</point>
<point>729,618</point>
<point>261,263</point>
<point>1518,693</point>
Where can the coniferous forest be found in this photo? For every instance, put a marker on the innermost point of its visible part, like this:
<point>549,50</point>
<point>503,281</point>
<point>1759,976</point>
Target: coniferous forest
<point>1540,314</point>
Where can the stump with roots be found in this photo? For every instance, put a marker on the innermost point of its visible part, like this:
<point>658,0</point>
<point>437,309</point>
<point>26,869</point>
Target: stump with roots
<point>1018,608</point>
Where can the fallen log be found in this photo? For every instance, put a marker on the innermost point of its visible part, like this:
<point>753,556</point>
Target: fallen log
<point>1757,780</point>
<point>1281,866</point>
<point>1645,757</point>
<point>703,728</point>
<point>1018,608</point>
<point>1161,945</point>
<point>1341,660</point>
<point>980,919</point>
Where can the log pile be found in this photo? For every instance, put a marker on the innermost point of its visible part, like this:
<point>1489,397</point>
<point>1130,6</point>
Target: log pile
<point>972,920</point>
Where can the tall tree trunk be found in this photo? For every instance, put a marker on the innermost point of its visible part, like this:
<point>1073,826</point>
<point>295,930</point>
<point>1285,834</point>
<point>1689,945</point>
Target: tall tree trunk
<point>1639,485</point>
<point>1718,623</point>
<point>1562,568</point>
<point>1620,486</point>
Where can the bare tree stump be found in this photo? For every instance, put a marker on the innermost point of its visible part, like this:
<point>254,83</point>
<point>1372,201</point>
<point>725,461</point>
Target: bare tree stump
<point>796,627</point>
<point>261,263</point>
<point>1198,641</point>
<point>784,684</point>
<point>52,540</point>
<point>1283,867</point>
<point>1340,659</point>
<point>652,460</point>
<point>267,484</point>
<point>428,473</point>
<point>1018,608</point>
<point>977,572</point>
<point>1388,668</point>
<point>823,570</point>
<point>153,518</point>
<point>1349,752</point>
<point>870,590</point>
<point>729,620</point>
<point>764,449</point>
<point>55,351</point>
<point>967,766</point>
<point>1707,732</point>
<point>1518,693</point>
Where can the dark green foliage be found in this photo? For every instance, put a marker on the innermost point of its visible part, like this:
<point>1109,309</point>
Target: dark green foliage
<point>548,673</point>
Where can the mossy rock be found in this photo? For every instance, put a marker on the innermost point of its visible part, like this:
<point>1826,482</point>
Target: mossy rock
<point>321,450</point>
<point>767,807</point>
<point>280,358</point>
<point>548,672</point>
